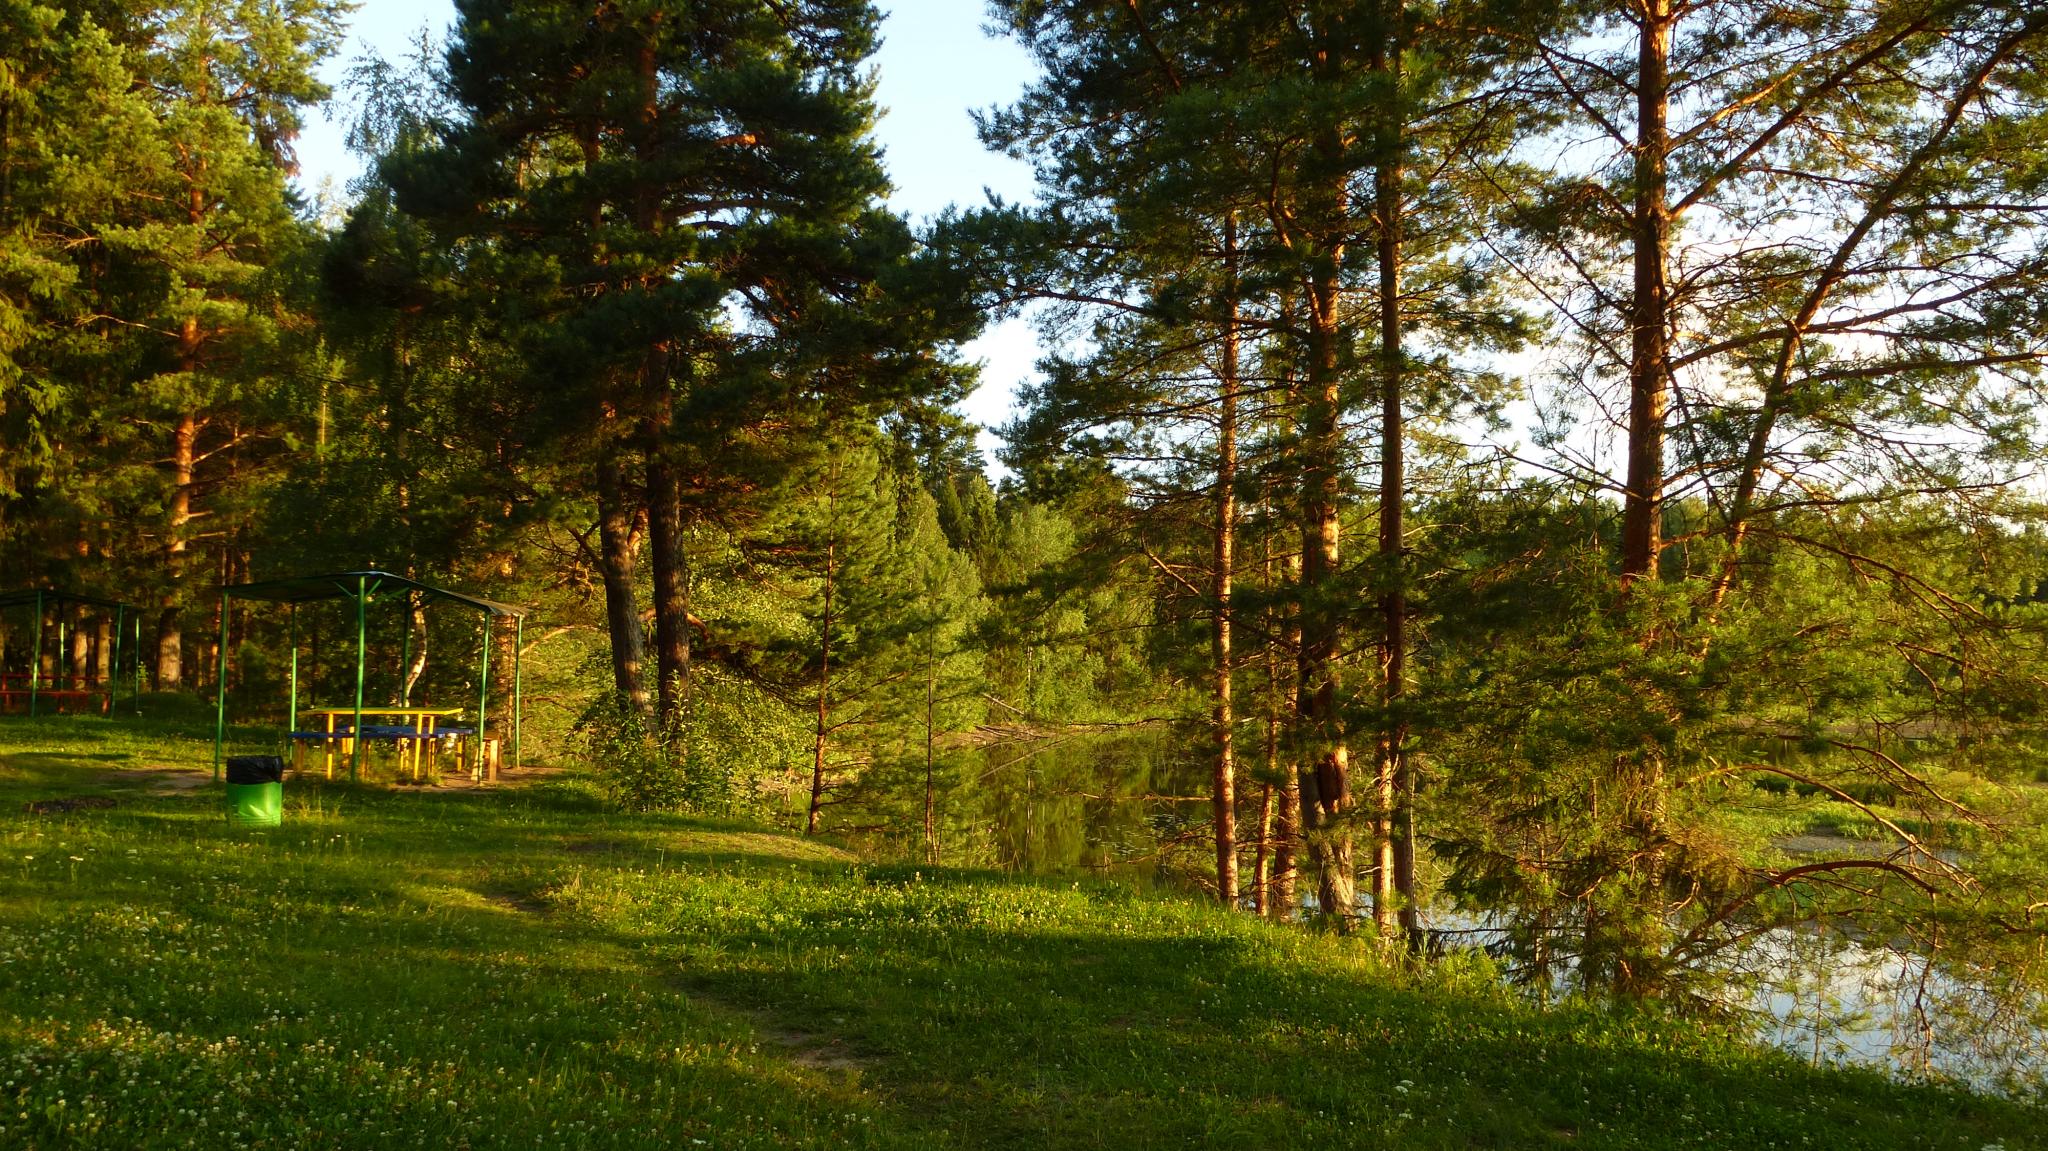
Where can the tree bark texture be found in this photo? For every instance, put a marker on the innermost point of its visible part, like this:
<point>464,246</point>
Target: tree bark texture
<point>1326,800</point>
<point>1287,818</point>
<point>416,667</point>
<point>1648,370</point>
<point>823,730</point>
<point>1394,839</point>
<point>170,636</point>
<point>1224,797</point>
<point>616,563</point>
<point>103,670</point>
<point>80,646</point>
<point>666,537</point>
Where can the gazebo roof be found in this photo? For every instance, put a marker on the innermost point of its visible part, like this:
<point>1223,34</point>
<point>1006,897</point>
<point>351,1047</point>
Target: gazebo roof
<point>50,595</point>
<point>343,585</point>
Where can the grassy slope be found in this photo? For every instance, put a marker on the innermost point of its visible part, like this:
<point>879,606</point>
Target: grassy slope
<point>522,969</point>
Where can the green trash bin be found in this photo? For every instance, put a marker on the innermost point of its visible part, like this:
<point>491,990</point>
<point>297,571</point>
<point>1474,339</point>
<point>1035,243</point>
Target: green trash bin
<point>255,790</point>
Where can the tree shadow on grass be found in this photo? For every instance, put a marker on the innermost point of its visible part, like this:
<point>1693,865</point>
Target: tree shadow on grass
<point>1085,1020</point>
<point>340,982</point>
<point>527,953</point>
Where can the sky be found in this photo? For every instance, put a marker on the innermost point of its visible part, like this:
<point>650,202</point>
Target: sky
<point>936,66</point>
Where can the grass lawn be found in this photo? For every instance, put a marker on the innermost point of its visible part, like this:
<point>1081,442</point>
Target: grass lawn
<point>521,968</point>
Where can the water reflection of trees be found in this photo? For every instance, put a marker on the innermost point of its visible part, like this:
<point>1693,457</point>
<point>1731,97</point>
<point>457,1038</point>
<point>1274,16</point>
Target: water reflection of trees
<point>1122,802</point>
<point>1914,1005</point>
<point>1951,995</point>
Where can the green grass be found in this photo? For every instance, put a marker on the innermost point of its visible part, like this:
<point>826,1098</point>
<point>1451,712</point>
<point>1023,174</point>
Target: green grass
<point>522,968</point>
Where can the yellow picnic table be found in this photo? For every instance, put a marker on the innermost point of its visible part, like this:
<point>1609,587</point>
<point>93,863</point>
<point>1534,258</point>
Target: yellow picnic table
<point>423,719</point>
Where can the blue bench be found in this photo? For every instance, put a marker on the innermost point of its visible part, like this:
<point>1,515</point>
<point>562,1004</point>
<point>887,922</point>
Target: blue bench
<point>400,734</point>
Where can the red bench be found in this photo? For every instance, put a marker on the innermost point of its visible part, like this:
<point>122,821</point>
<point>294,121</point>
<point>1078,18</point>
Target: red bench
<point>52,700</point>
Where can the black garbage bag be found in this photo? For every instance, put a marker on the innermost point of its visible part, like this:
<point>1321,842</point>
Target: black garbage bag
<point>255,769</point>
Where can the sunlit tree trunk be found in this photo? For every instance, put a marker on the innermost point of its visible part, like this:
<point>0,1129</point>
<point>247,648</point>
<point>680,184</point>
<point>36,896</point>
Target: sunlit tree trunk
<point>823,728</point>
<point>1648,378</point>
<point>616,564</point>
<point>1287,817</point>
<point>80,643</point>
<point>667,534</point>
<point>170,649</point>
<point>1635,960</point>
<point>1326,800</point>
<point>666,539</point>
<point>1394,836</point>
<point>416,622</point>
<point>1325,773</point>
<point>1224,795</point>
<point>1262,857</point>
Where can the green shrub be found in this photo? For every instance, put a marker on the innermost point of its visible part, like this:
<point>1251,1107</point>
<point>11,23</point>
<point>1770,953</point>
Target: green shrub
<point>639,773</point>
<point>644,769</point>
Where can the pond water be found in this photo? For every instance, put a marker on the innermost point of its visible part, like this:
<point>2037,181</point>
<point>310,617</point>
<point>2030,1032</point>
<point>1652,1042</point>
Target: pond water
<point>1131,804</point>
<point>1831,998</point>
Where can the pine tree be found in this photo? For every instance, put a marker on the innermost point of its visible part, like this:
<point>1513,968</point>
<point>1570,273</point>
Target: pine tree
<point>186,273</point>
<point>1808,256</point>
<point>835,527</point>
<point>681,206</point>
<point>1201,164</point>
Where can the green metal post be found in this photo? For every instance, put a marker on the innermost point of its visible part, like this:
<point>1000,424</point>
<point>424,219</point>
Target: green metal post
<point>63,660</point>
<point>135,695</point>
<point>220,676</point>
<point>483,695</point>
<point>355,763</point>
<point>518,685</point>
<point>291,718</point>
<point>35,657</point>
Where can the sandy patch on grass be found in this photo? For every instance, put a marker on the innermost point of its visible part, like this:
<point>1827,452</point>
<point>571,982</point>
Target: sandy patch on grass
<point>756,843</point>
<point>809,1049</point>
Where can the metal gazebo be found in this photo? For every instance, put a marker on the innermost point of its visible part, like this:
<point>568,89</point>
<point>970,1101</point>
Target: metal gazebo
<point>126,637</point>
<point>360,587</point>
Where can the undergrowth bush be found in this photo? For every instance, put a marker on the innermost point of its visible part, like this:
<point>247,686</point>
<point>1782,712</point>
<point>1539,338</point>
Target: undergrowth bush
<point>644,768</point>
<point>639,772</point>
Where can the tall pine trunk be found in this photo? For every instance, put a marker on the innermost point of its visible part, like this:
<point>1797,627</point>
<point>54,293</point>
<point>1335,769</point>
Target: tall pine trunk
<point>1394,839</point>
<point>616,564</point>
<point>170,636</point>
<point>667,537</point>
<point>1628,950</point>
<point>1648,379</point>
<point>103,670</point>
<point>1325,773</point>
<point>1326,800</point>
<point>1287,820</point>
<point>820,735</point>
<point>1225,790</point>
<point>670,559</point>
<point>170,644</point>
